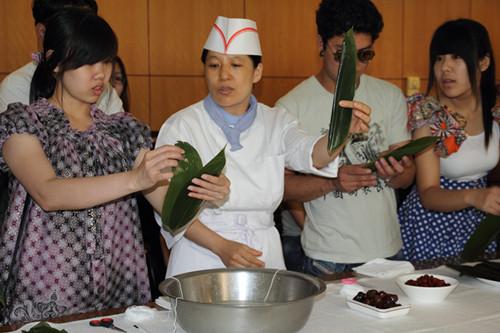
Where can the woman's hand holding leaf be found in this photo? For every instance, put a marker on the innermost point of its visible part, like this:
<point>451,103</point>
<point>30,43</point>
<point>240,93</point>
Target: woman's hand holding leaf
<point>391,168</point>
<point>234,254</point>
<point>210,188</point>
<point>361,115</point>
<point>485,199</point>
<point>149,166</point>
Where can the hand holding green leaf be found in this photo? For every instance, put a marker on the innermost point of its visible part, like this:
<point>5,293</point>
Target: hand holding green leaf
<point>409,149</point>
<point>179,208</point>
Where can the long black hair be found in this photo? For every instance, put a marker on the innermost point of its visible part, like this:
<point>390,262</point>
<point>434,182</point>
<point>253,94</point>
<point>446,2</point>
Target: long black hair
<point>42,10</point>
<point>73,38</point>
<point>124,96</point>
<point>470,41</point>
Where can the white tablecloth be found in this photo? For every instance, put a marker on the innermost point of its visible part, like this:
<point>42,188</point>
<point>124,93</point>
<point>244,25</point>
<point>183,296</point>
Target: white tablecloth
<point>472,307</point>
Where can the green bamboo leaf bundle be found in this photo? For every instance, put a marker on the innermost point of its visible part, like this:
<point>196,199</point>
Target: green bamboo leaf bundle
<point>484,234</point>
<point>44,327</point>
<point>178,208</point>
<point>411,148</point>
<point>340,120</point>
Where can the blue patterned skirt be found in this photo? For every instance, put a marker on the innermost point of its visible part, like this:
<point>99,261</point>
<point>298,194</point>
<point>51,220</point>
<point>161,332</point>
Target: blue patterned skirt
<point>429,235</point>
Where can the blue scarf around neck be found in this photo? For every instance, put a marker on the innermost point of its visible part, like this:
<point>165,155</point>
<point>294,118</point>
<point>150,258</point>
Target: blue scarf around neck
<point>232,132</point>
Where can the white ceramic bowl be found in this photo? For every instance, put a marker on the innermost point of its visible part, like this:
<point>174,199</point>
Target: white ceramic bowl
<point>426,294</point>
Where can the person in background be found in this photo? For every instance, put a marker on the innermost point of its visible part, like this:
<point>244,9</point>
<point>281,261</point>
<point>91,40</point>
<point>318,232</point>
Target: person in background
<point>261,141</point>
<point>450,198</point>
<point>15,87</point>
<point>119,81</point>
<point>350,219</point>
<point>71,239</point>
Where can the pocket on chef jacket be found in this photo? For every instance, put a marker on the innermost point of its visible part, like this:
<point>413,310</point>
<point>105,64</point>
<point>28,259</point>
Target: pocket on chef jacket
<point>257,183</point>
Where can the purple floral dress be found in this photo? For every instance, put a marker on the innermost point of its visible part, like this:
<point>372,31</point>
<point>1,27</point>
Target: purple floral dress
<point>81,260</point>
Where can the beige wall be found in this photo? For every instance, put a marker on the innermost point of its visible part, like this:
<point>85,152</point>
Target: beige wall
<point>161,41</point>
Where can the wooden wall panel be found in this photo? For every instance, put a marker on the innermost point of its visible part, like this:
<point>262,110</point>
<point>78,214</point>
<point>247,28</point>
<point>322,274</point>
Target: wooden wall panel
<point>171,94</point>
<point>400,83</point>
<point>287,31</point>
<point>178,31</point>
<point>130,23</point>
<point>139,97</point>
<point>269,89</point>
<point>421,18</point>
<point>388,61</point>
<point>161,41</point>
<point>17,34</point>
<point>486,12</point>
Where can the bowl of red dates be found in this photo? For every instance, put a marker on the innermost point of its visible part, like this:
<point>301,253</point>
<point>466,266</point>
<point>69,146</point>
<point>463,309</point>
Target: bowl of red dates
<point>426,288</point>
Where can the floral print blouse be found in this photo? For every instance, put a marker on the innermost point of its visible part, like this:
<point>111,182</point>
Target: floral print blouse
<point>442,122</point>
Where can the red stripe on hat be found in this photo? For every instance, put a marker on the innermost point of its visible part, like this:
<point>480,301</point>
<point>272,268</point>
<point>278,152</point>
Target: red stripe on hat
<point>226,45</point>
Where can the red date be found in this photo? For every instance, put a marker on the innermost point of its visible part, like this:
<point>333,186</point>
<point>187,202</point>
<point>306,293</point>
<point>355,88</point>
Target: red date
<point>427,281</point>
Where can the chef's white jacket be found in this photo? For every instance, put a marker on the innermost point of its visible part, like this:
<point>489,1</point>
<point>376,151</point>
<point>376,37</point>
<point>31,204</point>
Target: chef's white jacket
<point>256,172</point>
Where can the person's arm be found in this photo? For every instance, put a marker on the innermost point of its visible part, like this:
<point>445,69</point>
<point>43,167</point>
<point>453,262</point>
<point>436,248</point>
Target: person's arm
<point>494,175</point>
<point>303,188</point>
<point>26,159</point>
<point>433,197</point>
<point>360,123</point>
<point>297,211</point>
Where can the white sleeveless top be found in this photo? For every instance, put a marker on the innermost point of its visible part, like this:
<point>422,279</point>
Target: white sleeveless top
<point>472,161</point>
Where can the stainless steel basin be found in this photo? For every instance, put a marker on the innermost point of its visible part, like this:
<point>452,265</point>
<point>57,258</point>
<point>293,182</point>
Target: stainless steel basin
<point>242,300</point>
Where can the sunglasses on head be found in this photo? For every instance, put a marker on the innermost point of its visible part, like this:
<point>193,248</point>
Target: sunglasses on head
<point>364,55</point>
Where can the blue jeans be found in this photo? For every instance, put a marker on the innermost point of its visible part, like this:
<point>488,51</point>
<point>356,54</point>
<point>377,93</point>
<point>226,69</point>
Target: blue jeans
<point>319,268</point>
<point>293,253</point>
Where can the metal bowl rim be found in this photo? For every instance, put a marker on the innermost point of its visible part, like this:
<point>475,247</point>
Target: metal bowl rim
<point>312,279</point>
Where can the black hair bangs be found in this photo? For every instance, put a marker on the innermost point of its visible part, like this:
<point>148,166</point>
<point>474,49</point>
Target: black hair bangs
<point>93,41</point>
<point>454,40</point>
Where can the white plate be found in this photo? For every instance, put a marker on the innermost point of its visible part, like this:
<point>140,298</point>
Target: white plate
<point>490,282</point>
<point>379,313</point>
<point>396,311</point>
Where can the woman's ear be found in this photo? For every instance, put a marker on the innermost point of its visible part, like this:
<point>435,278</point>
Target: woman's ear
<point>257,73</point>
<point>320,45</point>
<point>40,34</point>
<point>484,63</point>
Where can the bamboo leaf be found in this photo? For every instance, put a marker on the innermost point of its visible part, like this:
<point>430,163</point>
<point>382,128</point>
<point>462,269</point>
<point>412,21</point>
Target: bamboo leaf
<point>411,148</point>
<point>340,120</point>
<point>178,208</point>
<point>484,234</point>
<point>44,327</point>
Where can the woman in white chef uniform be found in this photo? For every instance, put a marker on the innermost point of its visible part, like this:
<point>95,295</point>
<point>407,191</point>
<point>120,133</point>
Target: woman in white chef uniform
<point>260,141</point>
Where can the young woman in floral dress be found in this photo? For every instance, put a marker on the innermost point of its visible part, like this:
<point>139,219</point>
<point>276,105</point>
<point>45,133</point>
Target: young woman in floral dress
<point>71,239</point>
<point>451,197</point>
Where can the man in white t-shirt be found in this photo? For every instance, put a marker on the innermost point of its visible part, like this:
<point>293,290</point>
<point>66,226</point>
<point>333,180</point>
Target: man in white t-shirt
<point>16,86</point>
<point>351,219</point>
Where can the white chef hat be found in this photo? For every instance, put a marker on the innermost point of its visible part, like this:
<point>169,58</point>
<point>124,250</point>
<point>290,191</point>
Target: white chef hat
<point>234,36</point>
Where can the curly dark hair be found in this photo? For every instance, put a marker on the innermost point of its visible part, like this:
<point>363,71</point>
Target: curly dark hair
<point>335,17</point>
